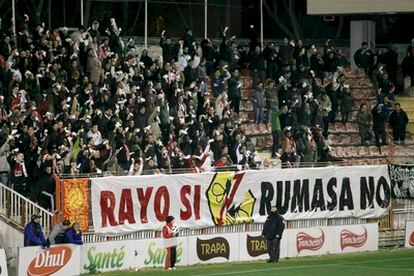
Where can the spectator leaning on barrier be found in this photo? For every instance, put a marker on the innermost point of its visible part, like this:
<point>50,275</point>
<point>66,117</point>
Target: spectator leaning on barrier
<point>74,234</point>
<point>58,234</point>
<point>33,234</point>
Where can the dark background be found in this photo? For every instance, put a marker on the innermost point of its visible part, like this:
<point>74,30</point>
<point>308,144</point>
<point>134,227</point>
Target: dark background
<point>177,15</point>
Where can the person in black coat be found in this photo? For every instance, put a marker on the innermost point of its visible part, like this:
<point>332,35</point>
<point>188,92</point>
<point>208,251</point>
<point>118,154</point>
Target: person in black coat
<point>234,88</point>
<point>167,49</point>
<point>398,122</point>
<point>46,188</point>
<point>258,66</point>
<point>364,58</point>
<point>272,232</point>
<point>379,117</point>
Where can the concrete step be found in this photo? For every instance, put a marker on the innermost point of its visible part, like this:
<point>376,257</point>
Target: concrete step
<point>410,126</point>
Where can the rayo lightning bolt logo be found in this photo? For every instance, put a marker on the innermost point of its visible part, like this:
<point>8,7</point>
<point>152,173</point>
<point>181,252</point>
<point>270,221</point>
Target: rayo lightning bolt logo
<point>221,194</point>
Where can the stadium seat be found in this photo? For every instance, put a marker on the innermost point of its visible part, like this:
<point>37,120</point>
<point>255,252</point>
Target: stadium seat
<point>362,151</point>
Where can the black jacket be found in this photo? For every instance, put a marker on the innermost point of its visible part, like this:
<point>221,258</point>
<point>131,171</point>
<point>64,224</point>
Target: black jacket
<point>232,86</point>
<point>398,120</point>
<point>379,119</point>
<point>273,226</point>
<point>363,58</point>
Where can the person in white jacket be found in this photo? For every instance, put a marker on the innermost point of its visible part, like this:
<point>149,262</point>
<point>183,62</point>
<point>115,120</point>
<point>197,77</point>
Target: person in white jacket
<point>4,164</point>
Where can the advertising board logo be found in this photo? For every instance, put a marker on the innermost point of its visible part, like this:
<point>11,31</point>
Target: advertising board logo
<point>411,241</point>
<point>213,248</point>
<point>220,195</point>
<point>305,241</point>
<point>98,260</point>
<point>50,261</point>
<point>350,239</point>
<point>157,255</point>
<point>256,246</point>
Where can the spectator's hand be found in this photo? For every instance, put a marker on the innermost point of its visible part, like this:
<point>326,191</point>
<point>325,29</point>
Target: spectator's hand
<point>225,30</point>
<point>45,245</point>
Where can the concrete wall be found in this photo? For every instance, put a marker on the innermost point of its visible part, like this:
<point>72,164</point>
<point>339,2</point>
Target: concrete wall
<point>12,239</point>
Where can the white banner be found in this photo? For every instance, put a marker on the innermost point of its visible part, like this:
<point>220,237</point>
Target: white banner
<point>126,204</point>
<point>3,263</point>
<point>409,233</point>
<point>63,259</point>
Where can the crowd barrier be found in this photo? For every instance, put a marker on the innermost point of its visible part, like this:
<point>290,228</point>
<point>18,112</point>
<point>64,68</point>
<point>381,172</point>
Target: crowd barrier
<point>191,250</point>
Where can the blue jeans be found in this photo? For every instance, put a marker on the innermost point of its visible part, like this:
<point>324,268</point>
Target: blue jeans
<point>258,114</point>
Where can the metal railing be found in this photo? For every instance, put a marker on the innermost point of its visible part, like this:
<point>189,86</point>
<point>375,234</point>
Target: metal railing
<point>272,165</point>
<point>17,210</point>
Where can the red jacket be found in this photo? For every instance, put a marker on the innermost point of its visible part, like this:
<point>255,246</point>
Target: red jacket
<point>167,231</point>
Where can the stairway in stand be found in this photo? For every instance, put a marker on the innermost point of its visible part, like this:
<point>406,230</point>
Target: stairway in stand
<point>344,139</point>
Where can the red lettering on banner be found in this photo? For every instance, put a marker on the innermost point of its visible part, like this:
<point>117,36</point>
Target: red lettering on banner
<point>197,198</point>
<point>107,210</point>
<point>126,210</point>
<point>184,193</point>
<point>144,199</point>
<point>162,192</point>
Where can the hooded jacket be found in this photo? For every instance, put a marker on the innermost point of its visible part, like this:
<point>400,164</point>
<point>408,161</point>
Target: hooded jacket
<point>33,234</point>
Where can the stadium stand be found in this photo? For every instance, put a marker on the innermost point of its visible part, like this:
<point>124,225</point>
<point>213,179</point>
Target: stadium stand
<point>81,103</point>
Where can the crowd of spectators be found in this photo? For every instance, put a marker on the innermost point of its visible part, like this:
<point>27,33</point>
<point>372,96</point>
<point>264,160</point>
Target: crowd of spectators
<point>382,67</point>
<point>90,101</point>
